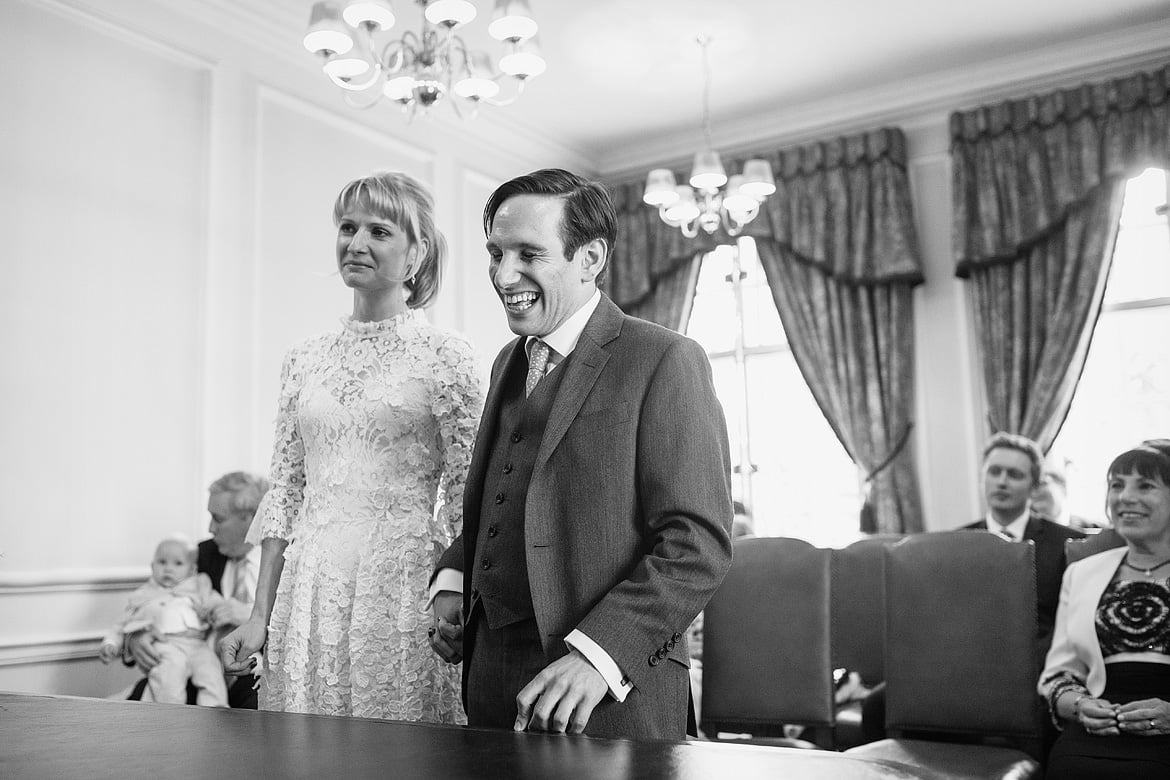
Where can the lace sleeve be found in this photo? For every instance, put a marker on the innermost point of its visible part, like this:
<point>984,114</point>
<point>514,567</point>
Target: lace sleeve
<point>457,406</point>
<point>281,505</point>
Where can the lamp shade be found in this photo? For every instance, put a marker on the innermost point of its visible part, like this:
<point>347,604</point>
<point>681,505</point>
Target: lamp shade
<point>524,61</point>
<point>757,179</point>
<point>512,21</point>
<point>737,202</point>
<point>449,13</point>
<point>327,33</point>
<point>660,186</point>
<point>400,88</point>
<point>376,13</point>
<point>478,83</point>
<point>707,172</point>
<point>685,209</point>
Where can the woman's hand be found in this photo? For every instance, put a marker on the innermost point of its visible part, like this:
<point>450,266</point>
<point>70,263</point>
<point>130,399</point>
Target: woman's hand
<point>236,649</point>
<point>1098,717</point>
<point>1147,717</point>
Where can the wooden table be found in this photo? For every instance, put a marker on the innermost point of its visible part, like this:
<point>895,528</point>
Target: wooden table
<point>46,737</point>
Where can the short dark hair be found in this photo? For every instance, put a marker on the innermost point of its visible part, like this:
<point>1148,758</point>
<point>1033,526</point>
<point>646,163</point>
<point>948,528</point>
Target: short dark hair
<point>1014,441</point>
<point>589,213</point>
<point>1149,459</point>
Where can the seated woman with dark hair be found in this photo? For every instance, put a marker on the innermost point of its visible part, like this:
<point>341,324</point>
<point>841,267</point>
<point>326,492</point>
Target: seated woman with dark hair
<point>1107,676</point>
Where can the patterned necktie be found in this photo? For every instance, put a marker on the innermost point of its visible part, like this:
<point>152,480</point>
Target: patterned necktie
<point>240,591</point>
<point>537,363</point>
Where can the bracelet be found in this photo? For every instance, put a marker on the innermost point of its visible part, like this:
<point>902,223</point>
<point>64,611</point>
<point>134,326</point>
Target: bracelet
<point>1077,705</point>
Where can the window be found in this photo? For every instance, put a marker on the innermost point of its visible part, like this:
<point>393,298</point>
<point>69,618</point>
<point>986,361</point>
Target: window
<point>1124,392</point>
<point>803,483</point>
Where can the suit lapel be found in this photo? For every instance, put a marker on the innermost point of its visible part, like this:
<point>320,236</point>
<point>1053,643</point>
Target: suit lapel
<point>582,370</point>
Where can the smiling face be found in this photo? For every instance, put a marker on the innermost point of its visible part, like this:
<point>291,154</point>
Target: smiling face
<point>1007,482</point>
<point>374,254</point>
<point>1140,507</point>
<point>539,287</point>
<point>171,564</point>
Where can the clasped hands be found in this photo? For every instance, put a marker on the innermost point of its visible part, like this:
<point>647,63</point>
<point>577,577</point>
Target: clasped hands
<point>1146,717</point>
<point>559,700</point>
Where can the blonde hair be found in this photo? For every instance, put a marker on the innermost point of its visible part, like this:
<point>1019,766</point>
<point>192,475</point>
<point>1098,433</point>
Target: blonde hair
<point>404,201</point>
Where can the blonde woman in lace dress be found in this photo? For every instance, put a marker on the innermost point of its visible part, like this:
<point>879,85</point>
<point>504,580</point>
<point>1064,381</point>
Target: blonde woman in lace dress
<point>374,431</point>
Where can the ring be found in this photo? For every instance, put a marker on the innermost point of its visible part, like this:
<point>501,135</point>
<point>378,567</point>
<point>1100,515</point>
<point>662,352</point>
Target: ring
<point>1151,722</point>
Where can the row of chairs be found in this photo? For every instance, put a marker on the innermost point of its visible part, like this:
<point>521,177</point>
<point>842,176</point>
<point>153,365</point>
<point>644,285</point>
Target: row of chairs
<point>947,619</point>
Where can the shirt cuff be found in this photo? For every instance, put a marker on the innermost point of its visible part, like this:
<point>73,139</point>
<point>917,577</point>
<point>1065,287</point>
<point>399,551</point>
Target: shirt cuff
<point>446,579</point>
<point>619,684</point>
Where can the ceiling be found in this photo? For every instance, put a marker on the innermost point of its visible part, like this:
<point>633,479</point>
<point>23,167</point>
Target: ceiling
<point>625,76</point>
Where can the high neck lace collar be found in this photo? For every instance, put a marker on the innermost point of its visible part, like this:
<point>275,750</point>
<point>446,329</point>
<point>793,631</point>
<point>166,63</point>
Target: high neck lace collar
<point>385,327</point>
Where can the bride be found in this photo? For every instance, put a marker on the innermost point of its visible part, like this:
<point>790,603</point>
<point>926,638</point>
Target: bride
<point>374,430</point>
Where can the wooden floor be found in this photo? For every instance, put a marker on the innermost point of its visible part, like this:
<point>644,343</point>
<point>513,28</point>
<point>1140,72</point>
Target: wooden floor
<point>46,737</point>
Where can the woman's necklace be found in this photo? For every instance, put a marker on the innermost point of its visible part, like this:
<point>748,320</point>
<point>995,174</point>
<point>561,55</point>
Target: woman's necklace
<point>1146,571</point>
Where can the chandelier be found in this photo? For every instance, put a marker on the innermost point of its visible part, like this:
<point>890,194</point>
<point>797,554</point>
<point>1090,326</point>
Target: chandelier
<point>707,202</point>
<point>419,69</point>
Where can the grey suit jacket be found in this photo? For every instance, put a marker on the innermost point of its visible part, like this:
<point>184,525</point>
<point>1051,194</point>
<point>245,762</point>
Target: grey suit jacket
<point>628,515</point>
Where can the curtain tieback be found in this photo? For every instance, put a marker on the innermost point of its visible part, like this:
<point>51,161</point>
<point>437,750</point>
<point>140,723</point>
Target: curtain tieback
<point>905,437</point>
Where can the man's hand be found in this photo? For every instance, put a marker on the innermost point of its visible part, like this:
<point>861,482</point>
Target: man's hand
<point>561,698</point>
<point>230,613</point>
<point>141,647</point>
<point>446,634</point>
<point>236,649</point>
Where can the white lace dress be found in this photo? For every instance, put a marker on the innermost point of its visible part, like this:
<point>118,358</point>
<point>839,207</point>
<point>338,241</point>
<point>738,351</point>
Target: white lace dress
<point>375,429</point>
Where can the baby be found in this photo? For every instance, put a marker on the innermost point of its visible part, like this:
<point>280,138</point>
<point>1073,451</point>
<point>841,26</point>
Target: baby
<point>175,605</point>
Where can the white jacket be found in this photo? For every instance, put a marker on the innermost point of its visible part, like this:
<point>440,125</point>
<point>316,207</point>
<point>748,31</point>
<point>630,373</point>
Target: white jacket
<point>1075,647</point>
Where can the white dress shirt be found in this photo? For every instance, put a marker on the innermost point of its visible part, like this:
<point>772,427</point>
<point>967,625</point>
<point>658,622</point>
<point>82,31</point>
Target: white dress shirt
<point>251,571</point>
<point>1016,527</point>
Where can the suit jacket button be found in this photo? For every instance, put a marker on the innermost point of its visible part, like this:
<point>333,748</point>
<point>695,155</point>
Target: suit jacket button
<point>653,660</point>
<point>499,498</point>
<point>660,653</point>
<point>486,564</point>
<point>670,645</point>
<point>515,437</point>
<point>492,530</point>
<point>507,468</point>
<point>677,636</point>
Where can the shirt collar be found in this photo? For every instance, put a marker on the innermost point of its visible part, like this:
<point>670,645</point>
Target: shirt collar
<point>563,340</point>
<point>1015,527</point>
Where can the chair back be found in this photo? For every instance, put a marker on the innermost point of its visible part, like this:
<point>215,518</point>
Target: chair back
<point>766,639</point>
<point>858,605</point>
<point>961,651</point>
<point>1105,539</point>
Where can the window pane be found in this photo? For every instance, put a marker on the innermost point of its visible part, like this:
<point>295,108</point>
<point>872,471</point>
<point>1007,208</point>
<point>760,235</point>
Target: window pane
<point>1124,392</point>
<point>1122,398</point>
<point>806,485</point>
<point>1141,261</point>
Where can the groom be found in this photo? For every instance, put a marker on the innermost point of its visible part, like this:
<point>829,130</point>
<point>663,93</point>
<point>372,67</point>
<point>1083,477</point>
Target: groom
<point>597,510</point>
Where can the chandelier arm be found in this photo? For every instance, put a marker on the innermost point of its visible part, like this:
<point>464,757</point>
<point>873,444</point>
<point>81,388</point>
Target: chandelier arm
<point>493,101</point>
<point>350,86</point>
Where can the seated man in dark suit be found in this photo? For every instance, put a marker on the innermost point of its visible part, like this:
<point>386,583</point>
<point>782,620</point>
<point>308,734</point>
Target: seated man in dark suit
<point>232,565</point>
<point>1012,469</point>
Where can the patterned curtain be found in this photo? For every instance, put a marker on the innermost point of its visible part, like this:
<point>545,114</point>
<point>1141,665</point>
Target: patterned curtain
<point>838,245</point>
<point>1038,186</point>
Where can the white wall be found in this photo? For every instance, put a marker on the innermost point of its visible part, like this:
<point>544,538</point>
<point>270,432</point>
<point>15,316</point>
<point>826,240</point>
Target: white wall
<point>166,194</point>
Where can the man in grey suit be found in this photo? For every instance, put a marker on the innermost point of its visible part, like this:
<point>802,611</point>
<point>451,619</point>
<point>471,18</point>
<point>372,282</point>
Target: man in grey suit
<point>597,511</point>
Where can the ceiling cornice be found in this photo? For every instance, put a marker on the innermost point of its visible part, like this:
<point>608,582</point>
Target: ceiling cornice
<point>1055,67</point>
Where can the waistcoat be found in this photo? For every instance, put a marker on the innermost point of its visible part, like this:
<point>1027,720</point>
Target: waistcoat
<point>500,573</point>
